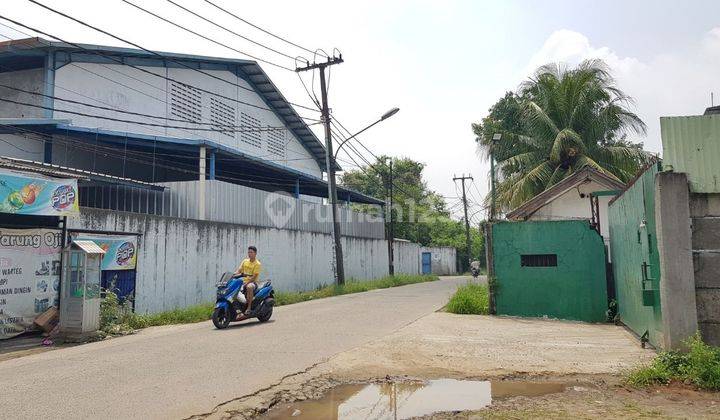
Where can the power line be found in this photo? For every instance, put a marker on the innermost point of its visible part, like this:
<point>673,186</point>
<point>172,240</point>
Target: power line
<point>229,30</point>
<point>84,114</point>
<point>121,62</point>
<point>121,84</point>
<point>137,156</point>
<point>220,129</point>
<point>97,100</point>
<point>177,25</point>
<point>259,28</point>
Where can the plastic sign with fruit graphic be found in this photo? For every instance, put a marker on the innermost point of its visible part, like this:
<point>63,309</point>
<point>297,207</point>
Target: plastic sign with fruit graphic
<point>35,195</point>
<point>120,251</point>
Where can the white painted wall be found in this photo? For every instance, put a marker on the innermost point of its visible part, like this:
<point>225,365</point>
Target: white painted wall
<point>407,257</point>
<point>129,89</point>
<point>31,80</point>
<point>180,260</point>
<point>572,205</point>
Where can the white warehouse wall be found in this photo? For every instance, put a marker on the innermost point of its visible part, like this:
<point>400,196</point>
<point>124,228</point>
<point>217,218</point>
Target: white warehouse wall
<point>143,93</point>
<point>31,80</point>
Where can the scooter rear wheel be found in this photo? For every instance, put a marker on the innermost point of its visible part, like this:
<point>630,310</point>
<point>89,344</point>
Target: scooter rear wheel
<point>220,318</point>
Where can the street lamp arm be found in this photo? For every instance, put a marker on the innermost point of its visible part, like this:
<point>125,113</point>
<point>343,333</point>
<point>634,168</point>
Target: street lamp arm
<point>384,117</point>
<point>337,151</point>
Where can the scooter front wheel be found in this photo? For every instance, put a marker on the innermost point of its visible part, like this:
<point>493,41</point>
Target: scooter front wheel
<point>220,318</point>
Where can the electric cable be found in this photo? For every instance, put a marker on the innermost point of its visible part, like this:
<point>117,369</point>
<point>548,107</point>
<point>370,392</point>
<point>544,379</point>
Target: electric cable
<point>121,62</point>
<point>177,25</point>
<point>257,27</point>
<point>229,30</point>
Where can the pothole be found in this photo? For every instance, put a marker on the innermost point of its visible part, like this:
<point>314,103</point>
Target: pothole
<point>407,399</point>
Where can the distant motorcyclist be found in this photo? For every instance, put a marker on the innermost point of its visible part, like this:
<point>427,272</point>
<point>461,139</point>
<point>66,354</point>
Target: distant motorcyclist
<point>249,270</point>
<point>475,268</point>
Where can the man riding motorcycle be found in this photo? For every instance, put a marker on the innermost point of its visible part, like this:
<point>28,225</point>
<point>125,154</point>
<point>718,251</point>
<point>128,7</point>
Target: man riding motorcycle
<point>249,270</point>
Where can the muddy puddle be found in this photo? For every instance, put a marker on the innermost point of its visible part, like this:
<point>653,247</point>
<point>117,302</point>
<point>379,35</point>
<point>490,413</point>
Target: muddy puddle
<point>401,400</point>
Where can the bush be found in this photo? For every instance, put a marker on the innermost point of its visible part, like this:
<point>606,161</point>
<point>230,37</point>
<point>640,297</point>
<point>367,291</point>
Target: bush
<point>115,316</point>
<point>699,366</point>
<point>472,299</point>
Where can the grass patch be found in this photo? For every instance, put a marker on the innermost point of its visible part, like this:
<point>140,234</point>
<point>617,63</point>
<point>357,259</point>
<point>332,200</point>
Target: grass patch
<point>352,286</point>
<point>699,366</point>
<point>118,318</point>
<point>470,299</point>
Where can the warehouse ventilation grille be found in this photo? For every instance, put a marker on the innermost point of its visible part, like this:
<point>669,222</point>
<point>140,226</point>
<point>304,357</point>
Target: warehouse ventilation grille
<point>222,116</point>
<point>276,141</point>
<point>250,133</point>
<point>186,102</point>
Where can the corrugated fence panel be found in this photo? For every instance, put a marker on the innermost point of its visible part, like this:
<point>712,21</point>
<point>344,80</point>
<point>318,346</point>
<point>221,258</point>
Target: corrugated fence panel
<point>692,145</point>
<point>230,203</point>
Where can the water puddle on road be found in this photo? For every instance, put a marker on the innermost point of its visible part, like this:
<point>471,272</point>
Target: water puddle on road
<point>401,400</point>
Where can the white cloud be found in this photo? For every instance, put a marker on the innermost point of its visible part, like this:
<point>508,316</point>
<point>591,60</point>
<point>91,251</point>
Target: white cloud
<point>673,83</point>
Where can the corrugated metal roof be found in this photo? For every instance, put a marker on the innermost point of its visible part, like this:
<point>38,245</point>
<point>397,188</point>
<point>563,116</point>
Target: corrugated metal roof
<point>692,145</point>
<point>58,171</point>
<point>89,247</point>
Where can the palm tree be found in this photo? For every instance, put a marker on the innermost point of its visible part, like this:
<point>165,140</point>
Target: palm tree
<point>562,121</point>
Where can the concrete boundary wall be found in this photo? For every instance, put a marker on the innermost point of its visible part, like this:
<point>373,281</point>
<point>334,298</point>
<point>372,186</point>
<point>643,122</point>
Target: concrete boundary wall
<point>179,260</point>
<point>443,259</point>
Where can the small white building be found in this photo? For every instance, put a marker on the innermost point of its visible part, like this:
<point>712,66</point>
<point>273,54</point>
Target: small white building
<point>582,195</point>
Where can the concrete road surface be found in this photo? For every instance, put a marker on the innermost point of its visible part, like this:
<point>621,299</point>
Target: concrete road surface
<point>178,371</point>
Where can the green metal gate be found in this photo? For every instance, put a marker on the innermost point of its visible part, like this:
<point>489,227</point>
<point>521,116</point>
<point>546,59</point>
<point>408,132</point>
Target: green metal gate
<point>550,268</point>
<point>635,259</point>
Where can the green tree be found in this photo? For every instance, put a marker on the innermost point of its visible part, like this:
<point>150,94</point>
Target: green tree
<point>560,121</point>
<point>421,214</point>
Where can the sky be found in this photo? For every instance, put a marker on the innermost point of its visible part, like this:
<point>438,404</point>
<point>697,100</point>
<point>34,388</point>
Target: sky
<point>443,63</point>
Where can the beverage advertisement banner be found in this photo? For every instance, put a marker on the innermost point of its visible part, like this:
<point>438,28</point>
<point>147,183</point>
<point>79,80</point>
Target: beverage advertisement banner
<point>29,277</point>
<point>37,195</point>
<point>120,251</point>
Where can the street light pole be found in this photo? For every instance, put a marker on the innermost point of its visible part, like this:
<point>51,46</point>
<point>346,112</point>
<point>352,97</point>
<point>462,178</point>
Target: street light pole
<point>389,229</point>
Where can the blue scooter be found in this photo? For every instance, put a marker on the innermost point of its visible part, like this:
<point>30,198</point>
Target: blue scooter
<point>231,301</point>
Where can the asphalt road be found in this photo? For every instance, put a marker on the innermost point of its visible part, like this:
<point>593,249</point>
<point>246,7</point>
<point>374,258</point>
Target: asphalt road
<point>178,371</point>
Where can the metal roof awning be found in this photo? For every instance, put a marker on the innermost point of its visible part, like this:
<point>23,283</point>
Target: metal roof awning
<point>83,176</point>
<point>255,172</point>
<point>89,247</point>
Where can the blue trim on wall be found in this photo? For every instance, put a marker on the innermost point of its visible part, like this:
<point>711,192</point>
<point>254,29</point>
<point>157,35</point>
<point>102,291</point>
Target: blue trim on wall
<point>211,175</point>
<point>49,83</point>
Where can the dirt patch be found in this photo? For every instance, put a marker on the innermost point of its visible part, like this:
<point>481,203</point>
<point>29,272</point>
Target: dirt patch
<point>589,359</point>
<point>608,401</point>
<point>458,346</point>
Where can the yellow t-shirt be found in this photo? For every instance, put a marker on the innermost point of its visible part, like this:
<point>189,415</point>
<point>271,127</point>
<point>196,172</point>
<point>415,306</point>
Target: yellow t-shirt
<point>250,268</point>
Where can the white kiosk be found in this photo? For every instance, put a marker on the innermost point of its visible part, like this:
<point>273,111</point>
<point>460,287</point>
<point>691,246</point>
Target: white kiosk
<point>80,300</point>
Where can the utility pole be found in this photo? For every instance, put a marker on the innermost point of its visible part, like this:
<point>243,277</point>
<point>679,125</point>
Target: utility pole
<point>391,222</point>
<point>489,254</point>
<point>338,266</point>
<point>495,139</point>
<point>467,222</point>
